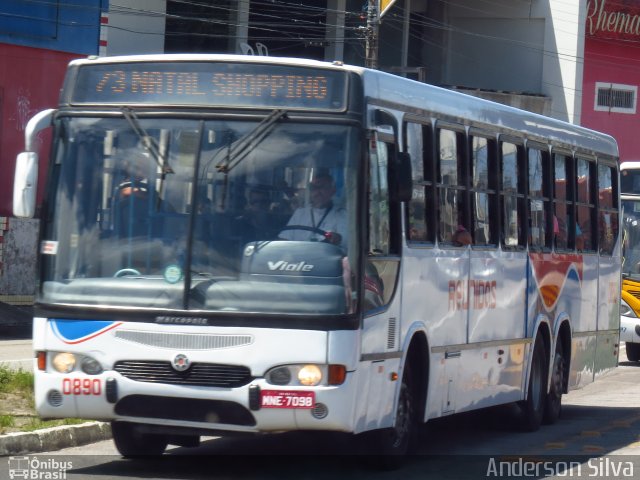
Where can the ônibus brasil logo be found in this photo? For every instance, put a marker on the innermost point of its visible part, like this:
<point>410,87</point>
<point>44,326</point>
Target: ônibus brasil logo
<point>38,468</point>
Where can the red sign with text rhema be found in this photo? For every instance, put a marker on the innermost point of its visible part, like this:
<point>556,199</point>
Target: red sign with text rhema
<point>616,20</point>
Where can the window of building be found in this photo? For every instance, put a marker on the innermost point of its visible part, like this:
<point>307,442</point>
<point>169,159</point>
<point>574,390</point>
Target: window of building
<point>615,98</point>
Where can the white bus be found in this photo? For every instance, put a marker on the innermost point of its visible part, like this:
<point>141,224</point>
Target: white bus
<point>161,310</point>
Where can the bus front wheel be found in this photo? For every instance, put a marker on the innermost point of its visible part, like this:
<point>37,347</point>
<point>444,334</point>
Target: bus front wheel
<point>390,445</point>
<point>130,442</point>
<point>533,406</point>
<point>633,351</point>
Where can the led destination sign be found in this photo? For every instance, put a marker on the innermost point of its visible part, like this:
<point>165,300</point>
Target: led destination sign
<point>210,84</point>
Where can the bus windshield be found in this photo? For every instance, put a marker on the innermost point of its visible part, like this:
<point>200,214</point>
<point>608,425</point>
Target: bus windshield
<point>194,214</point>
<point>631,243</point>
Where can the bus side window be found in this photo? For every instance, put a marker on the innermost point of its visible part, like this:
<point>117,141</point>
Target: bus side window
<point>564,228</point>
<point>585,205</point>
<point>418,143</point>
<point>540,221</point>
<point>607,209</point>
<point>379,204</point>
<point>512,190</point>
<point>382,263</point>
<point>483,191</point>
<point>451,187</point>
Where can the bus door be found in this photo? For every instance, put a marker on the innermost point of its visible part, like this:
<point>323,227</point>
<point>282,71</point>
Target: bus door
<point>380,348</point>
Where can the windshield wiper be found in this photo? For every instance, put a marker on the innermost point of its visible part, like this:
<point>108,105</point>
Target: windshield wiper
<point>148,142</point>
<point>239,150</point>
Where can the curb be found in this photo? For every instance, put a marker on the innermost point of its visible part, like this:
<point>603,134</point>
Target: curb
<point>54,438</point>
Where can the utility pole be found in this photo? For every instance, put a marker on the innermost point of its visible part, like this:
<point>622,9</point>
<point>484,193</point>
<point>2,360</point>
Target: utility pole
<point>373,26</point>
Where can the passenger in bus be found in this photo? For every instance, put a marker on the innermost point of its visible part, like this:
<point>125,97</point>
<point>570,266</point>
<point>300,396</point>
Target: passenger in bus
<point>580,239</point>
<point>257,222</point>
<point>560,233</point>
<point>461,237</point>
<point>132,198</point>
<point>322,214</point>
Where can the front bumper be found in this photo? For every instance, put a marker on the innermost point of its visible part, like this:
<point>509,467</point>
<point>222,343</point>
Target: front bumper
<point>111,396</point>
<point>629,329</point>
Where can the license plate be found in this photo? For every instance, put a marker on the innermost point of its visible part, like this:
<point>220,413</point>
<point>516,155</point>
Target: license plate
<point>286,399</point>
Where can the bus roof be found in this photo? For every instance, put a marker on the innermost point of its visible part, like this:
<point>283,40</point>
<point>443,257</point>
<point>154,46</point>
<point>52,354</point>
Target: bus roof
<point>410,95</point>
<point>630,165</point>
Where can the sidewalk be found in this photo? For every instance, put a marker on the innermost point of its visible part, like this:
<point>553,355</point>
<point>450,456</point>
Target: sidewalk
<point>54,438</point>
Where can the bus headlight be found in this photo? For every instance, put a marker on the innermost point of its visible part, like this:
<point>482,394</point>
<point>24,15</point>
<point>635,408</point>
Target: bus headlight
<point>626,310</point>
<point>307,375</point>
<point>91,366</point>
<point>64,362</point>
<point>310,375</point>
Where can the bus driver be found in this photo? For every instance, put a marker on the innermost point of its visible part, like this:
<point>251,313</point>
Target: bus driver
<point>321,214</point>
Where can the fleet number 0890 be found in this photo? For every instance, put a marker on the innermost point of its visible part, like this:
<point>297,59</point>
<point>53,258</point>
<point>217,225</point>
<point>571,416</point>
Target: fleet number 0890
<point>81,386</point>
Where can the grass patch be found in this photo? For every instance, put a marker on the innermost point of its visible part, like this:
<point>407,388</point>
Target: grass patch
<point>37,424</point>
<point>15,381</point>
<point>17,405</point>
<point>6,421</point>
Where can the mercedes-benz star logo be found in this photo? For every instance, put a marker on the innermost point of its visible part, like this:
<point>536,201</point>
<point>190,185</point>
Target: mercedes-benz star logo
<point>180,362</point>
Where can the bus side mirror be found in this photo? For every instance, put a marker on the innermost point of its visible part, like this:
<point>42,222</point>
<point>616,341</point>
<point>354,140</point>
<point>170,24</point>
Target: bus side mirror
<point>25,180</point>
<point>403,179</point>
<point>25,185</point>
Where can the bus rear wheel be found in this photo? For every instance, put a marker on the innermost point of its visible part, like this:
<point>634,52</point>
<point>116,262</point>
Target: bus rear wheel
<point>553,404</point>
<point>532,407</point>
<point>130,442</point>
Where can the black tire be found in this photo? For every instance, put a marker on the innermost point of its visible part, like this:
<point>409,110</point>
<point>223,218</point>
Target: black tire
<point>633,351</point>
<point>553,404</point>
<point>391,445</point>
<point>130,442</point>
<point>532,409</point>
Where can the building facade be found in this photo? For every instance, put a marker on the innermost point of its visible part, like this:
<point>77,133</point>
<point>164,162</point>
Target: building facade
<point>612,72</point>
<point>37,40</point>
